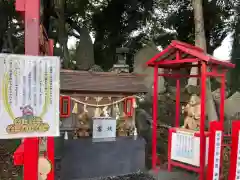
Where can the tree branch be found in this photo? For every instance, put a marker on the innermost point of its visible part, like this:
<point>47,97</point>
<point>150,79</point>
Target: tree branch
<point>68,20</point>
<point>71,33</point>
<point>74,25</point>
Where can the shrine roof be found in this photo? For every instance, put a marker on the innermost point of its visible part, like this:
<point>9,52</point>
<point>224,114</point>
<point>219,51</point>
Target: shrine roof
<point>188,55</point>
<point>106,82</point>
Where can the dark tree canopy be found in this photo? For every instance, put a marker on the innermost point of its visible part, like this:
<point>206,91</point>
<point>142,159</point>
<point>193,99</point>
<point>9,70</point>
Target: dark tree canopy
<point>235,73</point>
<point>112,23</point>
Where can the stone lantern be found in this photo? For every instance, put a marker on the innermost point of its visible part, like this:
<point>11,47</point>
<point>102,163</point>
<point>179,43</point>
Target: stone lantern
<point>121,66</point>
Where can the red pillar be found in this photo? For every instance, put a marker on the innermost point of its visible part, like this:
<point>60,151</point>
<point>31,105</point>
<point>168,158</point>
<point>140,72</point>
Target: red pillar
<point>32,22</point>
<point>202,121</point>
<point>31,145</point>
<point>155,114</point>
<point>50,140</point>
<point>222,98</point>
<point>234,150</point>
<point>177,115</point>
<point>221,114</point>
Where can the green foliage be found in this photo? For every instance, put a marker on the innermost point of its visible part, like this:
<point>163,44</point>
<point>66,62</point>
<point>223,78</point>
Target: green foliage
<point>10,31</point>
<point>113,25</point>
<point>234,73</point>
<point>181,18</point>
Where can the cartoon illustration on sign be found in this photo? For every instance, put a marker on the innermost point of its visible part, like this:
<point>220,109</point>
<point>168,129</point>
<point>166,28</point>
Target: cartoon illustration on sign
<point>29,96</point>
<point>27,122</point>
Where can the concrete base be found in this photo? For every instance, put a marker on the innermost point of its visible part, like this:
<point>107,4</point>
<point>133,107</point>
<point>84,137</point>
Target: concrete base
<point>84,158</point>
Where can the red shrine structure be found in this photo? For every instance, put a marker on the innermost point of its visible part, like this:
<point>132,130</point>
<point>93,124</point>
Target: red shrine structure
<point>27,153</point>
<point>181,55</point>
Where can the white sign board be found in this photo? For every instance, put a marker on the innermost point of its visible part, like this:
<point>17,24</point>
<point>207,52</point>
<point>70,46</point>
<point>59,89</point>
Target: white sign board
<point>238,159</point>
<point>185,148</point>
<point>29,96</point>
<point>217,155</point>
<point>104,127</point>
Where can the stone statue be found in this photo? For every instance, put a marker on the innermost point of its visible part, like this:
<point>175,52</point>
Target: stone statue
<point>192,111</point>
<point>84,125</point>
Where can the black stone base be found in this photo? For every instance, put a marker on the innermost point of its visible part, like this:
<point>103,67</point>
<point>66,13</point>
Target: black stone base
<point>84,158</point>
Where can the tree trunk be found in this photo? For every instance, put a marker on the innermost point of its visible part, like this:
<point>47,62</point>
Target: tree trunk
<point>84,51</point>
<point>62,34</point>
<point>4,22</point>
<point>200,41</point>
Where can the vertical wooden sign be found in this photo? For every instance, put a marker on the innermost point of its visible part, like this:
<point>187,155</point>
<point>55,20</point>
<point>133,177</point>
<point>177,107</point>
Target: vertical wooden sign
<point>234,171</point>
<point>214,153</point>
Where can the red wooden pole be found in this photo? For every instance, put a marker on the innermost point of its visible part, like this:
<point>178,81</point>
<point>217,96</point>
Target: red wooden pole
<point>221,114</point>
<point>51,47</point>
<point>30,166</point>
<point>222,99</point>
<point>202,121</point>
<point>32,22</point>
<point>170,132</point>
<point>177,115</point>
<point>155,114</point>
<point>50,155</point>
<point>50,140</point>
<point>31,145</point>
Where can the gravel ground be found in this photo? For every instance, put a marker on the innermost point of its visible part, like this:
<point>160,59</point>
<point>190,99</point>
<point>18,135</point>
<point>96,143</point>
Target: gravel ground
<point>136,176</point>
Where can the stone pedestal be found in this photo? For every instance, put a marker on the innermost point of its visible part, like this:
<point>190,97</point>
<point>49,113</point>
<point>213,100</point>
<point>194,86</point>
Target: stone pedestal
<point>83,158</point>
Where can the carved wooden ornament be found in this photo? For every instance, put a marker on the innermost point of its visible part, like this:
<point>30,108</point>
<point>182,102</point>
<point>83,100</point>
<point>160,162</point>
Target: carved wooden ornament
<point>44,168</point>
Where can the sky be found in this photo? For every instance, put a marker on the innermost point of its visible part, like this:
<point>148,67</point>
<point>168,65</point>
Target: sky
<point>72,41</point>
<point>223,52</point>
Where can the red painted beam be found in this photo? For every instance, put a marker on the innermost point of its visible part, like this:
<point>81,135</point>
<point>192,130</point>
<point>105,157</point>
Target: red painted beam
<point>152,60</point>
<point>50,155</point>
<point>20,5</point>
<point>222,63</point>
<point>31,153</point>
<point>155,114</point>
<point>185,166</point>
<point>18,156</point>
<point>32,25</point>
<point>177,110</point>
<point>175,62</point>
<point>50,140</point>
<point>202,157</point>
<point>177,75</point>
<point>174,42</point>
